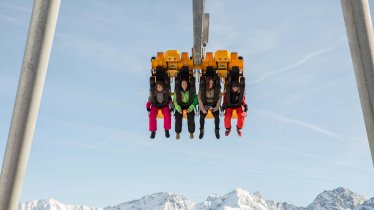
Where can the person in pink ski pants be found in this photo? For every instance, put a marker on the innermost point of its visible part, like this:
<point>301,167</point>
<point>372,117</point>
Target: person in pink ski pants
<point>159,100</point>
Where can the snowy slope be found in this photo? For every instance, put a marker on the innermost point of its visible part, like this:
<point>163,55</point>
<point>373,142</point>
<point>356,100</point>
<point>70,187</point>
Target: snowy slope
<point>367,205</point>
<point>338,199</point>
<point>51,204</point>
<point>157,201</point>
<point>241,199</point>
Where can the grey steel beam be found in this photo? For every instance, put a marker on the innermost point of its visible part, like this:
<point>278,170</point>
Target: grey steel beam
<point>205,29</point>
<point>361,42</point>
<point>197,13</point>
<point>26,107</point>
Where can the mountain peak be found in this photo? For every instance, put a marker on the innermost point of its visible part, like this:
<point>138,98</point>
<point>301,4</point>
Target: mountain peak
<point>236,199</point>
<point>162,200</point>
<point>339,198</point>
<point>51,204</point>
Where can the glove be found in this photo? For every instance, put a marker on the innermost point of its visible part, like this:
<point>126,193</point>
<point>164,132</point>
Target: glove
<point>171,107</point>
<point>245,108</point>
<point>148,106</point>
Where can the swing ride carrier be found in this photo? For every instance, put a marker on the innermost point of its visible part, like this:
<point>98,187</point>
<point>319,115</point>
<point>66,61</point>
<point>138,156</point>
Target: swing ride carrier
<point>224,64</point>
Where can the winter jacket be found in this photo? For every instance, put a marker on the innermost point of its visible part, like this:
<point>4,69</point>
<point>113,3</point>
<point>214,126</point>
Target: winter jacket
<point>209,99</point>
<point>185,98</point>
<point>159,98</point>
<point>234,98</point>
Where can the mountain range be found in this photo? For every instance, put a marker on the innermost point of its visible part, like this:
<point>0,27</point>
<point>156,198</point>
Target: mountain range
<point>337,199</point>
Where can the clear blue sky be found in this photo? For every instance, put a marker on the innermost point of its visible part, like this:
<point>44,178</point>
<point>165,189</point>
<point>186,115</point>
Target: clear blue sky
<point>305,131</point>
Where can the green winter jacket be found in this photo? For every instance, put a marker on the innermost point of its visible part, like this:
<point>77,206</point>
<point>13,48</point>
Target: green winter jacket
<point>185,99</point>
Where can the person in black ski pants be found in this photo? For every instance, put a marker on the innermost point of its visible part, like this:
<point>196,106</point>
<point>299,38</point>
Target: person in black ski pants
<point>185,104</point>
<point>209,105</point>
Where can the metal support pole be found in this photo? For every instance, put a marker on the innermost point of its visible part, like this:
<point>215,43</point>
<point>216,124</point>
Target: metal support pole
<point>26,108</point>
<point>361,42</point>
<point>197,13</point>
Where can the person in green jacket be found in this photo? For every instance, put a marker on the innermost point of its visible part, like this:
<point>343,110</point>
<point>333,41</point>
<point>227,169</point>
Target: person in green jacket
<point>184,100</point>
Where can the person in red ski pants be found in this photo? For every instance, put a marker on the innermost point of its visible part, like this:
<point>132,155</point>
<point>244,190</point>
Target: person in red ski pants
<point>159,100</point>
<point>241,113</point>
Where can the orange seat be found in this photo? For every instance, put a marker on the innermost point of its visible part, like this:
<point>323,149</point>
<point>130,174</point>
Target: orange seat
<point>234,114</point>
<point>161,116</point>
<point>210,115</point>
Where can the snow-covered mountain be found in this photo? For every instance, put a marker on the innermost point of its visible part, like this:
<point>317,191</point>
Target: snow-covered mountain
<point>157,201</point>
<point>52,204</point>
<point>339,199</point>
<point>367,205</point>
<point>241,199</point>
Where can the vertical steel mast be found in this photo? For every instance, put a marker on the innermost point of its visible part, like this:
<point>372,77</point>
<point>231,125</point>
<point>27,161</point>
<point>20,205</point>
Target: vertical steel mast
<point>361,42</point>
<point>197,12</point>
<point>200,29</point>
<point>26,107</point>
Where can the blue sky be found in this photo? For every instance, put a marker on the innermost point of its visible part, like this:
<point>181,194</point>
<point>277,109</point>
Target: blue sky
<point>305,131</point>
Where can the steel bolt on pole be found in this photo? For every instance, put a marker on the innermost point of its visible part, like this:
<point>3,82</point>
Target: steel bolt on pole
<point>26,107</point>
<point>361,42</point>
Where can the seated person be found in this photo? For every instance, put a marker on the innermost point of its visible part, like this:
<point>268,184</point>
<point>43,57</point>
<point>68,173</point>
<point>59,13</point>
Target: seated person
<point>184,103</point>
<point>234,99</point>
<point>159,100</point>
<point>209,104</point>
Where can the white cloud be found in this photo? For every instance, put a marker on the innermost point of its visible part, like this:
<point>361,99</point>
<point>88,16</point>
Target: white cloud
<point>298,123</point>
<point>293,66</point>
<point>16,14</point>
<point>10,19</point>
<point>314,157</point>
<point>87,47</point>
<point>15,8</point>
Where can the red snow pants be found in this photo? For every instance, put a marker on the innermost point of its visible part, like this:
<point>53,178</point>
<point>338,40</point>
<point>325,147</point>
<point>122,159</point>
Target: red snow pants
<point>228,115</point>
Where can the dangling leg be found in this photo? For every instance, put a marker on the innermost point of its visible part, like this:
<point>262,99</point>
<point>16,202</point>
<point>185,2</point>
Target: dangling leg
<point>202,122</point>
<point>240,122</point>
<point>178,124</point>
<point>153,121</point>
<point>216,123</point>
<point>167,120</point>
<point>228,115</point>
<point>191,122</point>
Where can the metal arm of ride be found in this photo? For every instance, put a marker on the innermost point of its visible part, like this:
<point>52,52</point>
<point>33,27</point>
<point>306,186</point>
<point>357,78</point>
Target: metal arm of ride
<point>26,107</point>
<point>200,30</point>
<point>361,42</point>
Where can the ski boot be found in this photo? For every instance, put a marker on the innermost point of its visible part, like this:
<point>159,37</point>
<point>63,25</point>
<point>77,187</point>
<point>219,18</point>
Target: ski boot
<point>240,132</point>
<point>201,135</point>
<point>227,132</point>
<point>153,134</point>
<point>216,131</point>
<point>167,134</point>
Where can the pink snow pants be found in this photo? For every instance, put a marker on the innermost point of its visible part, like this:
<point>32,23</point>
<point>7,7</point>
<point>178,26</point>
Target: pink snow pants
<point>153,120</point>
